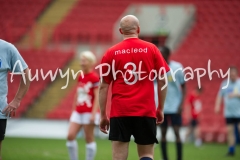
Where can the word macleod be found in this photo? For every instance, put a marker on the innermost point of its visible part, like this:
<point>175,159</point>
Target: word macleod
<point>131,50</point>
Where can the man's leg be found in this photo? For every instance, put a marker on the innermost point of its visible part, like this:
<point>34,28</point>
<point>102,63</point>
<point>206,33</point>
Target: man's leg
<point>188,132</point>
<point>231,139</point>
<point>0,150</point>
<point>91,146</point>
<point>120,150</point>
<point>145,152</point>
<point>176,123</point>
<point>120,134</point>
<point>145,132</point>
<point>163,147</point>
<point>239,129</point>
<point>197,136</point>
<point>178,142</point>
<point>71,140</point>
<point>3,125</point>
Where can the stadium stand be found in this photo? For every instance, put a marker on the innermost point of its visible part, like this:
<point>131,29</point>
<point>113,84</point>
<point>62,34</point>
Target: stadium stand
<point>17,17</point>
<point>45,25</point>
<point>54,93</point>
<point>214,36</point>
<point>37,60</point>
<point>90,20</point>
<point>64,109</point>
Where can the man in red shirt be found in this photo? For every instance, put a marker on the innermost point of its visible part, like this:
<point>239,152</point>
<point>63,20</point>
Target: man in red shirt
<point>196,105</point>
<point>131,66</point>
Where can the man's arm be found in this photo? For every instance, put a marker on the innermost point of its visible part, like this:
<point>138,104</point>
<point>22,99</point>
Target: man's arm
<point>218,104</point>
<point>234,95</point>
<point>188,107</point>
<point>74,102</point>
<point>161,98</point>
<point>183,87</point>
<point>103,94</point>
<point>95,104</point>
<point>22,90</point>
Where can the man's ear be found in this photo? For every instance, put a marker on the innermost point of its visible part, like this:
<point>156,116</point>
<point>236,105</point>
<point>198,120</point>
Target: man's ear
<point>120,30</point>
<point>138,29</point>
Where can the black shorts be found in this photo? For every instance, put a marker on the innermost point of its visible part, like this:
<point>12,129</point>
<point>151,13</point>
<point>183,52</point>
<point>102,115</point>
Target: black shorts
<point>232,120</point>
<point>3,124</point>
<point>174,119</point>
<point>194,122</point>
<point>143,129</point>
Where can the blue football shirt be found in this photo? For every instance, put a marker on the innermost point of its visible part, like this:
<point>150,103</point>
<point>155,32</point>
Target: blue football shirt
<point>9,57</point>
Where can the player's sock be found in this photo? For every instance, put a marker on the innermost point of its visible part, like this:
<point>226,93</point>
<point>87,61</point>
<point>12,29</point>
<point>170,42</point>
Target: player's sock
<point>72,149</point>
<point>146,158</point>
<point>179,150</point>
<point>91,149</point>
<point>164,150</point>
<point>198,142</point>
<point>231,149</point>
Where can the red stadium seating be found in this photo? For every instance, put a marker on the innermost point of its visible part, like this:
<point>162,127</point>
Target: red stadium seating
<point>215,36</point>
<point>90,20</point>
<point>36,60</point>
<point>17,16</point>
<point>64,109</point>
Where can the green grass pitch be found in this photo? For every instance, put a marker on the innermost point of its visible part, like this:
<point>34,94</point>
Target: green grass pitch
<point>50,149</point>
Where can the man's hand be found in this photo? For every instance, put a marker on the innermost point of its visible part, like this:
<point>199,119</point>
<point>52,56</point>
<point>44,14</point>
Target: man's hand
<point>180,109</point>
<point>233,95</point>
<point>104,124</point>
<point>10,109</point>
<point>160,117</point>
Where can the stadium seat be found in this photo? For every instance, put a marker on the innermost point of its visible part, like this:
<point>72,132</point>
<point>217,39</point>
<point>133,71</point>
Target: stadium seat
<point>41,60</point>
<point>215,36</point>
<point>18,16</point>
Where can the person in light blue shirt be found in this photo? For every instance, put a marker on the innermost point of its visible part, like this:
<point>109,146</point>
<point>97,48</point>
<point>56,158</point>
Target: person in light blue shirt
<point>231,99</point>
<point>173,103</point>
<point>10,61</point>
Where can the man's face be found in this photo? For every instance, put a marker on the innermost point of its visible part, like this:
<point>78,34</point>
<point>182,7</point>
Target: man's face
<point>233,74</point>
<point>84,63</point>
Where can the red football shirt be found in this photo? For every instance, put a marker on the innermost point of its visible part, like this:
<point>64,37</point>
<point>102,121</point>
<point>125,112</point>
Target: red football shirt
<point>132,94</point>
<point>85,92</point>
<point>195,104</point>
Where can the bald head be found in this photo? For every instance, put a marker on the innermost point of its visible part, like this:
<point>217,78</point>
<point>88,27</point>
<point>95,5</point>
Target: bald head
<point>129,25</point>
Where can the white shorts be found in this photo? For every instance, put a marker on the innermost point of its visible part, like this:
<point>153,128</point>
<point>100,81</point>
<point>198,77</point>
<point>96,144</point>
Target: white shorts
<point>83,118</point>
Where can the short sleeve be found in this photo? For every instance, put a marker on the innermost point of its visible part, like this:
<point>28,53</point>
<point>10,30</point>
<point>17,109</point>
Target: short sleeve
<point>106,68</point>
<point>159,62</point>
<point>221,91</point>
<point>17,63</point>
<point>180,75</point>
<point>95,81</point>
<point>79,78</point>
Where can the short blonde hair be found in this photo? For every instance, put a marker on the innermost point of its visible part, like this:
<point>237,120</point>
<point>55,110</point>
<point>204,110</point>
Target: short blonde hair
<point>89,55</point>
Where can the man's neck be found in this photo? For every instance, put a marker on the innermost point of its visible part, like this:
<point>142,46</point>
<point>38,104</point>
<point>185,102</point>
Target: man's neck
<point>129,36</point>
<point>87,71</point>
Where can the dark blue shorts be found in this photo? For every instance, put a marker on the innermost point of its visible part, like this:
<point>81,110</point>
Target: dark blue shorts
<point>232,120</point>
<point>172,119</point>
